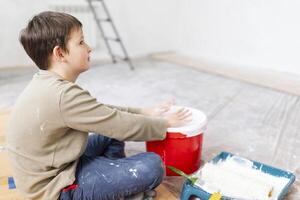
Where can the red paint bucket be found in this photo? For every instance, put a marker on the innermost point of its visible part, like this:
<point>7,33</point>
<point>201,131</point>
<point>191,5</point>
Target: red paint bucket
<point>182,146</point>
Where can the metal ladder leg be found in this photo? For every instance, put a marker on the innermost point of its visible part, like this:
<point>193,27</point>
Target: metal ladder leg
<point>107,40</point>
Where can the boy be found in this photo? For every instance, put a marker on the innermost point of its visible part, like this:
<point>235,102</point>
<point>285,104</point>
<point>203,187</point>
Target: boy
<point>52,154</point>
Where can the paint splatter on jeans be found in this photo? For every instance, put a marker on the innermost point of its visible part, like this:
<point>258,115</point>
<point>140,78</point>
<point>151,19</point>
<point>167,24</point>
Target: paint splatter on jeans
<point>104,173</point>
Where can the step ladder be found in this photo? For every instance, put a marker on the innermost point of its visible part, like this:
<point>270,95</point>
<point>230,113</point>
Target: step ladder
<point>107,40</point>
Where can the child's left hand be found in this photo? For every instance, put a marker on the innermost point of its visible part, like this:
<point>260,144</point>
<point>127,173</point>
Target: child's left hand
<point>157,111</point>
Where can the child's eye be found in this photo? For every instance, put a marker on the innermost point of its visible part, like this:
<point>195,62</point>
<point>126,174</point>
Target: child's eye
<point>81,42</point>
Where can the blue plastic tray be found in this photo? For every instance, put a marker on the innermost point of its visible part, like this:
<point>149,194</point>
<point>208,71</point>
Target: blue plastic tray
<point>189,190</point>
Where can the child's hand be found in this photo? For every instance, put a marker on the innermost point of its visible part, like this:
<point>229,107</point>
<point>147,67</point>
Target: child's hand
<point>157,111</point>
<point>179,118</point>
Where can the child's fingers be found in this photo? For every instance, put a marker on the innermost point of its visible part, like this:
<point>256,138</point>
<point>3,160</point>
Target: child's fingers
<point>163,110</point>
<point>185,116</point>
<point>164,107</point>
<point>188,119</point>
<point>180,110</point>
<point>184,121</point>
<point>183,112</point>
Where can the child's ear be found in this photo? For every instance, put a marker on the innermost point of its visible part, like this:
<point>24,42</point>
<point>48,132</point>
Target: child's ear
<point>58,54</point>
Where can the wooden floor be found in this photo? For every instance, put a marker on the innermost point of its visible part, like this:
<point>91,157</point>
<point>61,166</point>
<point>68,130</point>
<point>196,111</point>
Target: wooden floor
<point>5,172</point>
<point>256,122</point>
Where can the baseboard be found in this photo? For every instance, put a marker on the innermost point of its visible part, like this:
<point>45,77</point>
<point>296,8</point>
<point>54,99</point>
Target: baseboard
<point>276,80</point>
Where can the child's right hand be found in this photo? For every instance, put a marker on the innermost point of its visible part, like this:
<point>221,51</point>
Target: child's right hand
<point>179,118</point>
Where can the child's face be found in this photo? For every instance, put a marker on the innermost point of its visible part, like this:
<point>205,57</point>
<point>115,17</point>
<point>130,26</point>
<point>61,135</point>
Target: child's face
<point>78,57</point>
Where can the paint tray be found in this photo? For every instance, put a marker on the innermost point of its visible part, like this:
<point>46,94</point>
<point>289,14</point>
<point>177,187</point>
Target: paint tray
<point>189,190</point>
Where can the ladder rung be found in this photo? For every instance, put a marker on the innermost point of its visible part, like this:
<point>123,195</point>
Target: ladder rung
<point>104,20</point>
<point>121,57</point>
<point>112,39</point>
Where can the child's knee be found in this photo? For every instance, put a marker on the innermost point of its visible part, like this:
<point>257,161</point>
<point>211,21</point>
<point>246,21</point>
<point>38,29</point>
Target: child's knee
<point>153,165</point>
<point>155,159</point>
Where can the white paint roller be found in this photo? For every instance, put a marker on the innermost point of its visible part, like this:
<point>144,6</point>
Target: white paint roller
<point>235,177</point>
<point>234,184</point>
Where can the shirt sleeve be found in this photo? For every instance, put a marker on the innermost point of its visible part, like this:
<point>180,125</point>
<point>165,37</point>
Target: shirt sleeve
<point>125,109</point>
<point>82,112</point>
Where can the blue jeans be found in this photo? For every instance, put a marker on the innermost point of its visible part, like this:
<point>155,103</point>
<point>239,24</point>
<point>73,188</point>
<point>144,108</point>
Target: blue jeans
<point>104,173</point>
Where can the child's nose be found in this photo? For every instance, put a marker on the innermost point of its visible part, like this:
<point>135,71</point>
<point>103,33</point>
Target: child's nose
<point>89,49</point>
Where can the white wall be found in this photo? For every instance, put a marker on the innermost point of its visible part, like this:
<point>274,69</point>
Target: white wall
<point>245,33</point>
<point>145,26</point>
<point>13,16</point>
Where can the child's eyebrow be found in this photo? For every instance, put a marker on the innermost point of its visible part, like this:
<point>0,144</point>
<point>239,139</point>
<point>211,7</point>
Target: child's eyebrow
<point>81,38</point>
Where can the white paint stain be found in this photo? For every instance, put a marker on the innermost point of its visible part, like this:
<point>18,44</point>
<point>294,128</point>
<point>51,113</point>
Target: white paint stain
<point>133,171</point>
<point>114,164</point>
<point>42,127</point>
<point>46,123</point>
<point>106,178</point>
<point>87,174</point>
<point>2,148</point>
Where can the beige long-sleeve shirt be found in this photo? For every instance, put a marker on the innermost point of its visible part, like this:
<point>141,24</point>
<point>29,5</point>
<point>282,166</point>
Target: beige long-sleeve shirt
<point>48,131</point>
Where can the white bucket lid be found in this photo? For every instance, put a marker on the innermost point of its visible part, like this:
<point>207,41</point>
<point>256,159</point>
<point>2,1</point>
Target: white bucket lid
<point>195,127</point>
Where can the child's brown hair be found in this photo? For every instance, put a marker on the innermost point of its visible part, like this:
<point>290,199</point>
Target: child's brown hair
<point>45,31</point>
